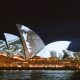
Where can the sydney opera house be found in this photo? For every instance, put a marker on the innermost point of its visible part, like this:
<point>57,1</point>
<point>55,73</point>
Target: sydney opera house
<point>29,51</point>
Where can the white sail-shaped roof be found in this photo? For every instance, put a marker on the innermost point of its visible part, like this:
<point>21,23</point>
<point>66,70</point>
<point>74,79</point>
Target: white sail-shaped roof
<point>55,48</point>
<point>10,37</point>
<point>32,43</point>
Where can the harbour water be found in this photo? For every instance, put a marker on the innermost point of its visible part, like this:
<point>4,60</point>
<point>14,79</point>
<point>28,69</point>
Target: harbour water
<point>39,75</point>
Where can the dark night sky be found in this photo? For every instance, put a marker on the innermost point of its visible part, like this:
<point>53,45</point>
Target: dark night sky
<point>58,20</point>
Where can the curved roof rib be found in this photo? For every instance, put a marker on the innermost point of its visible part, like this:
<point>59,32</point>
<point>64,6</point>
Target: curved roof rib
<point>32,43</point>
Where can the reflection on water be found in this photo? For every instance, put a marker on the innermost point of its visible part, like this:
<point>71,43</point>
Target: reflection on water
<point>39,75</point>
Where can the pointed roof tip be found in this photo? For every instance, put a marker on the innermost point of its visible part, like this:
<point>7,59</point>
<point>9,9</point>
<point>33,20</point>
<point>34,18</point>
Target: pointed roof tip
<point>23,27</point>
<point>18,25</point>
<point>10,36</point>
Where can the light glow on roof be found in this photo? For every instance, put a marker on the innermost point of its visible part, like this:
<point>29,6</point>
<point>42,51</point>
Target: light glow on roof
<point>57,46</point>
<point>10,37</point>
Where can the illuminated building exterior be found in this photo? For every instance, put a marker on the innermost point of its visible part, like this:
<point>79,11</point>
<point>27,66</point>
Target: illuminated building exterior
<point>29,51</point>
<point>31,41</point>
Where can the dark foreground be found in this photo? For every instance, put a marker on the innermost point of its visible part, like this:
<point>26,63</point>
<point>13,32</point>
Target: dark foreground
<point>39,75</point>
<point>39,68</point>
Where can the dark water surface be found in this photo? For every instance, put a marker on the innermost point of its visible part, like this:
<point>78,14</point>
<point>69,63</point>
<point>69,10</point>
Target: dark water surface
<point>39,75</point>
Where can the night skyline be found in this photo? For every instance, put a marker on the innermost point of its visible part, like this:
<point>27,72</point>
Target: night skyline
<point>51,21</point>
<point>57,23</point>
